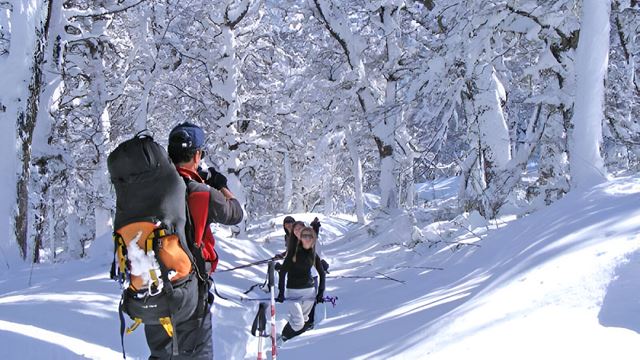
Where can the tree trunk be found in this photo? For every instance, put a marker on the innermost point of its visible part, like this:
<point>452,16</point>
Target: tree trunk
<point>587,166</point>
<point>385,131</point>
<point>357,175</point>
<point>288,184</point>
<point>228,123</point>
<point>151,73</point>
<point>27,118</point>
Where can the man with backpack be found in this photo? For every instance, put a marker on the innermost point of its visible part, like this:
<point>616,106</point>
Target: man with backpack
<point>209,200</point>
<point>163,245</point>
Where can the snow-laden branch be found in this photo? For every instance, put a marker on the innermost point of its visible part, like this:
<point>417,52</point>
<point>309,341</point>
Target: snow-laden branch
<point>76,14</point>
<point>233,16</point>
<point>336,22</point>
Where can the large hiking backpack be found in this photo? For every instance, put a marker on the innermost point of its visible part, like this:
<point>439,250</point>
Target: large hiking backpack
<point>151,248</point>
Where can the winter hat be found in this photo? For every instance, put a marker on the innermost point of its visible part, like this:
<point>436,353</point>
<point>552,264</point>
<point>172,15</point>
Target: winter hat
<point>288,220</point>
<point>186,136</point>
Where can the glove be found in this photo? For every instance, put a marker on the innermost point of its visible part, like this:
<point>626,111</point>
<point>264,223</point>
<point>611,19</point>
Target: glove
<point>325,265</point>
<point>277,265</point>
<point>280,298</point>
<point>320,298</point>
<point>215,179</point>
<point>204,173</point>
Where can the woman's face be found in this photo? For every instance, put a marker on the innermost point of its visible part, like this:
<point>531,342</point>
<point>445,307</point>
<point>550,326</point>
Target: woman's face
<point>296,230</point>
<point>307,240</point>
<point>288,226</point>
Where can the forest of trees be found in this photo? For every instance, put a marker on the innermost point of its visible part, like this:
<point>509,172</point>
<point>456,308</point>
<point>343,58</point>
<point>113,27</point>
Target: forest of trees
<point>310,104</point>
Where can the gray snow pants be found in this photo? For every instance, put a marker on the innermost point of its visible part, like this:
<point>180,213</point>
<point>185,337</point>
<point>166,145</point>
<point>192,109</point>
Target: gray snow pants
<point>193,328</point>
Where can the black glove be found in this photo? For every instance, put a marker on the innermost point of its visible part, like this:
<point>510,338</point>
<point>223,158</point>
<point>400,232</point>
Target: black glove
<point>280,297</point>
<point>325,265</point>
<point>215,179</point>
<point>277,265</point>
<point>204,173</point>
<point>320,298</point>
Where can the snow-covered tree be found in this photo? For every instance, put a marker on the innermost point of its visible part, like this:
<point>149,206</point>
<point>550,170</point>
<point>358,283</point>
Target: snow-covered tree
<point>621,145</point>
<point>592,58</point>
<point>311,104</point>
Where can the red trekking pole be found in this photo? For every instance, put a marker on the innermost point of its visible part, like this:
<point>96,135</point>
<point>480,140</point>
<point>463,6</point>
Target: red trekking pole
<point>259,326</point>
<point>271,271</point>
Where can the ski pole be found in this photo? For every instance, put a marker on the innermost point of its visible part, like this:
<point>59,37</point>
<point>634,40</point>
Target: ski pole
<point>381,277</point>
<point>259,262</point>
<point>271,272</point>
<point>330,299</point>
<point>258,327</point>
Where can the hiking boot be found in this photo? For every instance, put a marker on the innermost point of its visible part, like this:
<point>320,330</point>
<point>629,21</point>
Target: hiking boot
<point>287,332</point>
<point>308,325</point>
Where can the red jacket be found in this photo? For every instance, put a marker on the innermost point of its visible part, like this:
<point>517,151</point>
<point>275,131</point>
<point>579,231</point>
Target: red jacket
<point>208,205</point>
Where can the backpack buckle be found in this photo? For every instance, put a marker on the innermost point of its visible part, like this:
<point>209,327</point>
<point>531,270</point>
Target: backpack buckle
<point>156,285</point>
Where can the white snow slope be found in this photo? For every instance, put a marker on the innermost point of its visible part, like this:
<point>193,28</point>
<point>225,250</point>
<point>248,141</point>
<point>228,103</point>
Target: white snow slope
<point>561,283</point>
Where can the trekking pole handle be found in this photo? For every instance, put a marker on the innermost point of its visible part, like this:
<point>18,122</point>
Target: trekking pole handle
<point>331,299</point>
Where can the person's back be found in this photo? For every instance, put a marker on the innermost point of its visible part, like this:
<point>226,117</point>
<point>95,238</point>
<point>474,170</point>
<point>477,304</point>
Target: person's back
<point>154,261</point>
<point>206,205</point>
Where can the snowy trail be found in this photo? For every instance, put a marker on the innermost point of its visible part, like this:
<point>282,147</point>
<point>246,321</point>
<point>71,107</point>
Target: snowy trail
<point>559,283</point>
<point>233,318</point>
<point>541,277</point>
<point>348,248</point>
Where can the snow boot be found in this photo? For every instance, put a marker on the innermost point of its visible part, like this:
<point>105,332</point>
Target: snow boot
<point>288,332</point>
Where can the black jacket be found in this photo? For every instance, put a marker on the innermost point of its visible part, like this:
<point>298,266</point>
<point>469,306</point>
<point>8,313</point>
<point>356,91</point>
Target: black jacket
<point>299,272</point>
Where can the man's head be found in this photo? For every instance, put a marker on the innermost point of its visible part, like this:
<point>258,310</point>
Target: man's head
<point>186,144</point>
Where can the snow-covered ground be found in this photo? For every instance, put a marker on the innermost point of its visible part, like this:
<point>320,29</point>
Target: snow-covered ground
<point>560,283</point>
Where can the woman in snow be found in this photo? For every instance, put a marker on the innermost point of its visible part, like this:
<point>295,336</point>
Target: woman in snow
<point>296,269</point>
<point>315,225</point>
<point>290,236</point>
<point>294,237</point>
<point>296,228</point>
<point>287,225</point>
